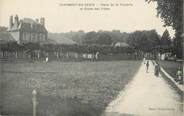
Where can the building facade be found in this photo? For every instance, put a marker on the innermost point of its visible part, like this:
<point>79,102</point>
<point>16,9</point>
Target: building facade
<point>27,30</point>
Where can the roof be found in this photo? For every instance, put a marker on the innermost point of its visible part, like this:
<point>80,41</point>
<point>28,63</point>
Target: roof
<point>121,44</point>
<point>60,40</point>
<point>6,37</point>
<point>29,20</point>
<point>48,41</point>
<point>29,25</point>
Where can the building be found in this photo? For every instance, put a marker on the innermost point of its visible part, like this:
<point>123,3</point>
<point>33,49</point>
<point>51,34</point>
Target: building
<point>27,30</point>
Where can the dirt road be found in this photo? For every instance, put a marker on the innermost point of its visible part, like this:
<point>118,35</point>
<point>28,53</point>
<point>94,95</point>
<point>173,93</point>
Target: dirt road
<point>146,95</point>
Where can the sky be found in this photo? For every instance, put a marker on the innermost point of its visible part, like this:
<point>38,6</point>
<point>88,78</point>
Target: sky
<point>140,16</point>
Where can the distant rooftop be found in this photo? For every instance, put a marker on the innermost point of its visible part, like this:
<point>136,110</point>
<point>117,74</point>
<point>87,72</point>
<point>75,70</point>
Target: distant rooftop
<point>57,39</point>
<point>27,25</point>
<point>29,20</point>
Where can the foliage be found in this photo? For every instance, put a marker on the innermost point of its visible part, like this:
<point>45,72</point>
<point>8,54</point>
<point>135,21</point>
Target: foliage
<point>10,47</point>
<point>143,40</point>
<point>31,46</point>
<point>171,12</point>
<point>90,38</point>
<point>50,48</point>
<point>99,38</point>
<point>104,39</point>
<point>165,39</point>
<point>82,37</point>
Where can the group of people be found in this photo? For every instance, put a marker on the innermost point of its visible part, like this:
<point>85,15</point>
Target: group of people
<point>179,75</point>
<point>156,70</point>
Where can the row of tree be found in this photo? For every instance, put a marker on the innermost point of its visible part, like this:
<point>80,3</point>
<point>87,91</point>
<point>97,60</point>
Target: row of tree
<point>147,41</point>
<point>142,40</point>
<point>102,42</point>
<point>101,37</point>
<point>29,48</point>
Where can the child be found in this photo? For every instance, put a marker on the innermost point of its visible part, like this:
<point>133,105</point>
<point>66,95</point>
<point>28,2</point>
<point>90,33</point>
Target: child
<point>179,75</point>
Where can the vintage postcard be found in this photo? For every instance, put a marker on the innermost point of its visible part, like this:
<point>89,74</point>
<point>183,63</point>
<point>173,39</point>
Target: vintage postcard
<point>91,58</point>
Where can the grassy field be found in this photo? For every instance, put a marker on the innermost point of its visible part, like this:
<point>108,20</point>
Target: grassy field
<point>171,66</point>
<point>64,88</point>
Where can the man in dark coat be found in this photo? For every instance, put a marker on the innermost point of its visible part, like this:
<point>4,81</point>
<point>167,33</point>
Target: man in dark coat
<point>157,70</point>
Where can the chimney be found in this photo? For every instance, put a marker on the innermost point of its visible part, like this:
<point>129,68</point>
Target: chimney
<point>16,20</point>
<point>11,22</point>
<point>42,21</point>
<point>37,20</point>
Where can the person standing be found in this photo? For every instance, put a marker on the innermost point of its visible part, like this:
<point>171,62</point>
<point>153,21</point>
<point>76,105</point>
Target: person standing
<point>179,76</point>
<point>157,70</point>
<point>147,66</point>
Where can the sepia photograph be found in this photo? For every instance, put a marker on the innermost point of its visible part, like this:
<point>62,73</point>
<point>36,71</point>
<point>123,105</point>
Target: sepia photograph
<point>91,57</point>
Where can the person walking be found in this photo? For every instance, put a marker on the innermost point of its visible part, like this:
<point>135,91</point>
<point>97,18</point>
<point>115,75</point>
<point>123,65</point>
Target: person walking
<point>157,70</point>
<point>147,66</point>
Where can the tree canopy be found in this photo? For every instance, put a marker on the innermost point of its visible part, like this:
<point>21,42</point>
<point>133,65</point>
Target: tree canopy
<point>143,40</point>
<point>98,38</point>
<point>166,39</point>
<point>171,12</point>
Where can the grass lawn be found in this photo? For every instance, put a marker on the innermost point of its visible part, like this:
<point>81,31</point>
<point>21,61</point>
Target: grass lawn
<point>171,67</point>
<point>64,88</point>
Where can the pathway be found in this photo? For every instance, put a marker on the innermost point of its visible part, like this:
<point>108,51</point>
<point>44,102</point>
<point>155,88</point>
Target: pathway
<point>146,95</point>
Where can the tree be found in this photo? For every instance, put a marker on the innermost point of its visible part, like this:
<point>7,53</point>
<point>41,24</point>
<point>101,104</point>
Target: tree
<point>143,40</point>
<point>100,38</point>
<point>90,38</point>
<point>104,39</point>
<point>165,39</point>
<point>32,48</point>
<point>171,13</point>
<point>153,38</point>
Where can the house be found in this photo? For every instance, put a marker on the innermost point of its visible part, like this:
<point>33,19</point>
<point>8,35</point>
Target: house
<point>27,30</point>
